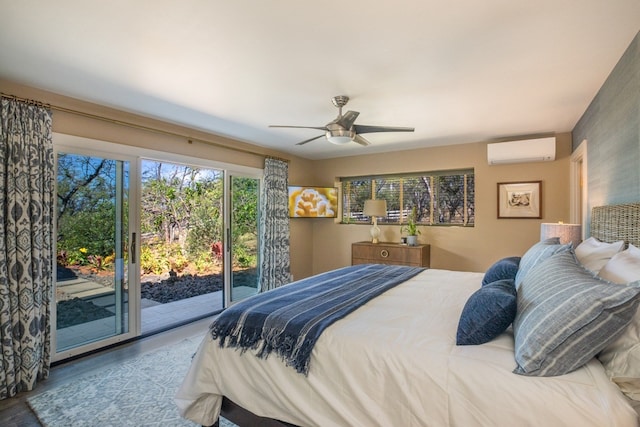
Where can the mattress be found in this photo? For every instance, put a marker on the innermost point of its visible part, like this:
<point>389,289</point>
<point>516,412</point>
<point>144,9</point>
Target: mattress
<point>395,362</point>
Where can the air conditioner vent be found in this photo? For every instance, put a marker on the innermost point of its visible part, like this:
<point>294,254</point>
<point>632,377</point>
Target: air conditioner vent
<point>527,150</point>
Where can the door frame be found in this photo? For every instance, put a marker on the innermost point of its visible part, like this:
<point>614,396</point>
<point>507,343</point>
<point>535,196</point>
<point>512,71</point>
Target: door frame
<point>75,145</point>
<point>228,248</point>
<point>578,187</point>
<point>88,146</point>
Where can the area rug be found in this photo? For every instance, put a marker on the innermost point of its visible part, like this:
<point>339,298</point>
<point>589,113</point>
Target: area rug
<point>138,392</point>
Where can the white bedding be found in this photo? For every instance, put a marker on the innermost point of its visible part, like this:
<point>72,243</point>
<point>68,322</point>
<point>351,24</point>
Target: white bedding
<point>394,362</point>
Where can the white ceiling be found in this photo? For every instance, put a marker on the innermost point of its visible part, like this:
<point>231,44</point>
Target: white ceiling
<point>458,71</point>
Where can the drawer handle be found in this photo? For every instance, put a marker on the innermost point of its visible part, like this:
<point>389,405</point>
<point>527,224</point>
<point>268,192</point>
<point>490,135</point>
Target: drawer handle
<point>384,253</point>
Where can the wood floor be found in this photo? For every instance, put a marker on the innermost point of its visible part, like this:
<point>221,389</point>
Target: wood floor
<point>15,412</point>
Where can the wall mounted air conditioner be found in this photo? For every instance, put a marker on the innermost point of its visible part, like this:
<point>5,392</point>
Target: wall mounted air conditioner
<point>527,150</point>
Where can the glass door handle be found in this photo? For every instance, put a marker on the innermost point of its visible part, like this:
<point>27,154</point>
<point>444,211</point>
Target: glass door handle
<point>133,248</point>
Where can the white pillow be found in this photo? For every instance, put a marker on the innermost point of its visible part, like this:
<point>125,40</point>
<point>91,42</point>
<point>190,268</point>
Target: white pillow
<point>623,267</point>
<point>594,254</point>
<point>621,358</point>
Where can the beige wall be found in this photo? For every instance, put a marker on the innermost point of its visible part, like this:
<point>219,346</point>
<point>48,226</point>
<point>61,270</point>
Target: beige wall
<point>454,248</point>
<point>319,245</point>
<point>115,126</point>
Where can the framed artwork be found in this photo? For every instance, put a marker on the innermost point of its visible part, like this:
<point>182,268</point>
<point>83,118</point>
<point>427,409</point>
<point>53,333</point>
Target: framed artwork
<point>520,199</point>
<point>313,202</point>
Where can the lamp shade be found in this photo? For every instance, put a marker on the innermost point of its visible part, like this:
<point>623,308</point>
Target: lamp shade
<point>566,232</point>
<point>375,208</point>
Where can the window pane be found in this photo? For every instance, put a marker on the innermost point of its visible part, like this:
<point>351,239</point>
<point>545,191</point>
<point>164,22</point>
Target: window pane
<point>388,188</point>
<point>471,197</point>
<point>450,200</point>
<point>440,197</point>
<point>354,193</point>
<point>417,192</point>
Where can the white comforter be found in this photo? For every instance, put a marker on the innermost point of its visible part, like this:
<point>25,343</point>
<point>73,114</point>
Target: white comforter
<point>394,362</point>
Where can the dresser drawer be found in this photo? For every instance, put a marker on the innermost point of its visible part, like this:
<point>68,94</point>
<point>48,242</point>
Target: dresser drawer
<point>390,253</point>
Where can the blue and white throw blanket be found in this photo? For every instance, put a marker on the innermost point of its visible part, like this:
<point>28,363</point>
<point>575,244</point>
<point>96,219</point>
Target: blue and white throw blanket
<point>290,319</point>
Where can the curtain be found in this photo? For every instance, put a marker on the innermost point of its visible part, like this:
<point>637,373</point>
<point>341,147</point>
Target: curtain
<point>274,226</point>
<point>26,244</point>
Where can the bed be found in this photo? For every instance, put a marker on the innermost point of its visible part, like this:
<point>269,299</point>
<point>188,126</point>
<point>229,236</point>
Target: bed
<point>395,361</point>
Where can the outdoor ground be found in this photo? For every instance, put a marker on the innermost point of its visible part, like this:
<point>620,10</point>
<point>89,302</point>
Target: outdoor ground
<point>159,288</point>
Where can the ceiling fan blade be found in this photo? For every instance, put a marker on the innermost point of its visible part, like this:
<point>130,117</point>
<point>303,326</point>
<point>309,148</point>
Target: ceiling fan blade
<point>372,129</point>
<point>360,140</point>
<point>310,139</point>
<point>299,127</point>
<point>347,120</point>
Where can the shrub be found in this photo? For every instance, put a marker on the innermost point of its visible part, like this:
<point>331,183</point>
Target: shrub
<point>152,262</point>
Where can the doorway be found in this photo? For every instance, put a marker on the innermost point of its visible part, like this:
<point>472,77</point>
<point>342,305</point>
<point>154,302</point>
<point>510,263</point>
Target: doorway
<point>92,292</point>
<point>243,244</point>
<point>186,246</point>
<point>148,241</point>
<point>578,187</point>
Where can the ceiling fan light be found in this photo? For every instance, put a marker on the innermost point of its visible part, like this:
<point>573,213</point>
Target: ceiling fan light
<point>339,140</point>
<point>340,136</point>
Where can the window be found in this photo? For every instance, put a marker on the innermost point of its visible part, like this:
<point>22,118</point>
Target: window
<point>440,198</point>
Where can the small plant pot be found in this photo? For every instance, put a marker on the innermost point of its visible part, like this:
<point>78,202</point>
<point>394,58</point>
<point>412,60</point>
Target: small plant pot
<point>412,240</point>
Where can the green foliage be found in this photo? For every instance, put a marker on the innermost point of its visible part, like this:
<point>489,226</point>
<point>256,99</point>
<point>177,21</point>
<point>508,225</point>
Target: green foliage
<point>244,206</point>
<point>151,263</point>
<point>205,226</point>
<point>92,230</point>
<point>86,206</point>
<point>181,214</point>
<point>245,250</point>
<point>411,227</point>
<point>203,262</point>
<point>72,257</point>
<point>101,263</point>
<point>244,257</point>
<point>177,260</point>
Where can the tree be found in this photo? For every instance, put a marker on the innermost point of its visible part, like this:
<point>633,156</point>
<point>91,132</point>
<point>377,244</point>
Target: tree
<point>86,194</point>
<point>182,208</point>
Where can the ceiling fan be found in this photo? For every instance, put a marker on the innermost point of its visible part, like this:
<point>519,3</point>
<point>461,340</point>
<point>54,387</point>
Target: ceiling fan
<point>342,129</point>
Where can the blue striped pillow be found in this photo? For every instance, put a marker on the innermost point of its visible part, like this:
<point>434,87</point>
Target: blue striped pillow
<point>566,315</point>
<point>538,253</point>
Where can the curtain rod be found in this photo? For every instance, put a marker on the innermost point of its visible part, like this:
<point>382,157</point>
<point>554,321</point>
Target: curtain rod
<point>137,126</point>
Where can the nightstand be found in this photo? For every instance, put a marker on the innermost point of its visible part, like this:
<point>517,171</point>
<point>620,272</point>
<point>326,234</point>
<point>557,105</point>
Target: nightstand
<point>390,253</point>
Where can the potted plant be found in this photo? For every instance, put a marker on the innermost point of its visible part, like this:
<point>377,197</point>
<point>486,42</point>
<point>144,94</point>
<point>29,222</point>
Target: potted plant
<point>411,228</point>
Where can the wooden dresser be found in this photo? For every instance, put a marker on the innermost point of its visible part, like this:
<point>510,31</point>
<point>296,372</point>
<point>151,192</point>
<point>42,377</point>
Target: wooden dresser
<point>390,253</point>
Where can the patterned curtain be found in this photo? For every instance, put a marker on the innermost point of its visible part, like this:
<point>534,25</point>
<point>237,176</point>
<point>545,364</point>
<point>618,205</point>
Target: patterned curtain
<point>274,226</point>
<point>26,244</point>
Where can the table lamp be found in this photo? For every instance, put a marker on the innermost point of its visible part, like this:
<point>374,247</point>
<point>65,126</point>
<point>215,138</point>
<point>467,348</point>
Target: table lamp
<point>566,232</point>
<point>374,209</point>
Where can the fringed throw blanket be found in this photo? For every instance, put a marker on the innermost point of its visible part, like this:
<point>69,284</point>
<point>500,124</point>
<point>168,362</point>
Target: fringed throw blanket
<point>290,319</point>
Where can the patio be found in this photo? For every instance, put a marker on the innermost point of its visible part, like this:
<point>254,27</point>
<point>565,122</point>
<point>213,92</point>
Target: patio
<point>155,317</point>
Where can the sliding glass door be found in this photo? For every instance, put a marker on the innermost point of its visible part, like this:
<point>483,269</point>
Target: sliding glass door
<point>242,238</point>
<point>93,250</point>
<point>147,241</point>
<point>181,256</point>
